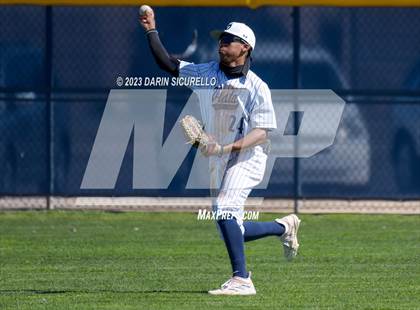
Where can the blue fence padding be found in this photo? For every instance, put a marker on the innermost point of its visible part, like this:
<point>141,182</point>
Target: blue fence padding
<point>370,56</point>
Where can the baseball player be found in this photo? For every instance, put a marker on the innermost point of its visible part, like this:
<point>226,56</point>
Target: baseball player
<point>243,115</point>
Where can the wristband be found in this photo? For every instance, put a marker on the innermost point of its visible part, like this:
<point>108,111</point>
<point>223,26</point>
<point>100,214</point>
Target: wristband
<point>220,152</point>
<point>150,31</point>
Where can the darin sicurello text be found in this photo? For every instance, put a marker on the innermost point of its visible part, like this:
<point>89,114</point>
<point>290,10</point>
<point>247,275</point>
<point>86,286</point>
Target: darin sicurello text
<point>179,81</point>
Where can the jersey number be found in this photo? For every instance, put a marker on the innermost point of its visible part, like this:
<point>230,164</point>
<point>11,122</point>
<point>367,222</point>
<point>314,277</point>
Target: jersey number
<point>232,124</point>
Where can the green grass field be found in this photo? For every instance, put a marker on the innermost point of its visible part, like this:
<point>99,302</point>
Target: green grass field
<point>99,260</point>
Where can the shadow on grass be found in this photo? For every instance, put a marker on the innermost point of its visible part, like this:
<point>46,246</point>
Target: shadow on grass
<point>47,292</point>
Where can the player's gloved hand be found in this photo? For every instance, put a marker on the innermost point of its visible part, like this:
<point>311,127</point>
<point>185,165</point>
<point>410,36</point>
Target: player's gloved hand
<point>195,135</point>
<point>147,20</point>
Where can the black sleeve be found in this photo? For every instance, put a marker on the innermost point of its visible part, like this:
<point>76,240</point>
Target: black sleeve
<point>162,58</point>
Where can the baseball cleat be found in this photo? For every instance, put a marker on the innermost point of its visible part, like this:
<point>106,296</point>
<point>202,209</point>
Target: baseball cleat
<point>236,286</point>
<point>289,238</point>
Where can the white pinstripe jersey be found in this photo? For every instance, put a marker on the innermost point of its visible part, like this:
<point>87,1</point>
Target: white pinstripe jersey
<point>232,108</point>
<point>238,105</point>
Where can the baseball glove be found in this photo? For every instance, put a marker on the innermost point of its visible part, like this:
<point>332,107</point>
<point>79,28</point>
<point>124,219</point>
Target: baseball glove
<point>194,132</point>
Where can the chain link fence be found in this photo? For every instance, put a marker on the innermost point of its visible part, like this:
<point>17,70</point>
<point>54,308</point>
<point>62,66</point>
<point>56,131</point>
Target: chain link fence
<point>58,64</point>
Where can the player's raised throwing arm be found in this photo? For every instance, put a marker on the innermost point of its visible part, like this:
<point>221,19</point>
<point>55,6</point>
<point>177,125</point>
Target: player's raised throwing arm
<point>163,59</point>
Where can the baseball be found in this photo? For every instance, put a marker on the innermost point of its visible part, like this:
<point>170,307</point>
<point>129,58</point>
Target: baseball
<point>144,9</point>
